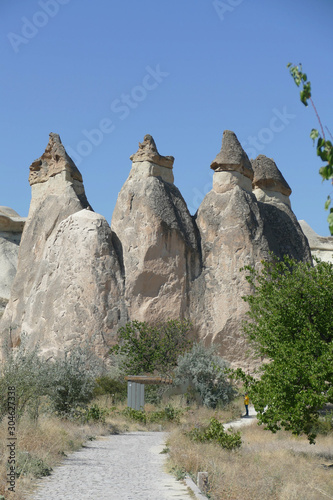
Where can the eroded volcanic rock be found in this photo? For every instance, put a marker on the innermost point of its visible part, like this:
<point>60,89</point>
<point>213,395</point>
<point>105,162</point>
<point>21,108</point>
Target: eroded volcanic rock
<point>158,240</point>
<point>11,227</point>
<point>236,230</point>
<point>68,281</point>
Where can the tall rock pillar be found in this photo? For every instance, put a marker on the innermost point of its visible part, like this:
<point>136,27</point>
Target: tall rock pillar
<point>157,238</point>
<point>68,287</point>
<point>237,230</point>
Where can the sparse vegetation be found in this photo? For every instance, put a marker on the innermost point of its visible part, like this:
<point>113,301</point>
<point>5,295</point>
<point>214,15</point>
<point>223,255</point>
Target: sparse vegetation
<point>267,466</point>
<point>250,463</point>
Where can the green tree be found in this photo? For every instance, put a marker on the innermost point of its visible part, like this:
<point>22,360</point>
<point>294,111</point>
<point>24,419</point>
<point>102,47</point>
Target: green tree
<point>149,349</point>
<point>324,146</point>
<point>291,327</point>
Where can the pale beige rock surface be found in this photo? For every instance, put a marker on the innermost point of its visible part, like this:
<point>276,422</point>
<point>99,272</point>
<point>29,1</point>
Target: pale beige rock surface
<point>236,230</point>
<point>76,279</point>
<point>77,291</point>
<point>321,246</point>
<point>11,227</point>
<point>158,244</point>
<point>50,296</point>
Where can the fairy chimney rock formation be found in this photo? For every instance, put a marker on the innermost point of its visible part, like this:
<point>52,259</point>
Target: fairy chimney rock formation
<point>157,238</point>
<point>78,279</point>
<point>55,173</point>
<point>268,183</point>
<point>321,246</point>
<point>68,284</point>
<point>236,230</point>
<point>147,162</point>
<point>231,166</point>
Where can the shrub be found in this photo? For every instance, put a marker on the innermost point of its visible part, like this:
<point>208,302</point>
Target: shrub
<point>107,385</point>
<point>31,464</point>
<point>215,432</point>
<point>85,414</point>
<point>169,414</point>
<point>73,380</point>
<point>206,372</point>
<point>29,375</point>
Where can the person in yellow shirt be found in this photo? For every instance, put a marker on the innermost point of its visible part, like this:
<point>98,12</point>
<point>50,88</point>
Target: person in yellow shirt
<point>246,404</point>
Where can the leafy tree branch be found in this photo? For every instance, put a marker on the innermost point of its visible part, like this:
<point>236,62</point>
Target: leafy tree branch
<point>324,146</point>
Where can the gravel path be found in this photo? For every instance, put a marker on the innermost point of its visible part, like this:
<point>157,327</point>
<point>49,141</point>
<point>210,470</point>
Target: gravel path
<point>118,467</point>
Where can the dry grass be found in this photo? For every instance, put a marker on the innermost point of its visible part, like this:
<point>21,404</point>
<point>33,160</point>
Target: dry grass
<point>49,440</point>
<point>267,466</point>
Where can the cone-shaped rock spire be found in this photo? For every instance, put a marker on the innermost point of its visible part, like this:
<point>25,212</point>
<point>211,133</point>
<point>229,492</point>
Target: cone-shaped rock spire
<point>232,157</point>
<point>53,161</point>
<point>148,152</point>
<point>267,176</point>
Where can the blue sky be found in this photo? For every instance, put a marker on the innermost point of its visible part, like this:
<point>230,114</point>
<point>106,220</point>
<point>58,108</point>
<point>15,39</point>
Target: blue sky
<point>103,74</point>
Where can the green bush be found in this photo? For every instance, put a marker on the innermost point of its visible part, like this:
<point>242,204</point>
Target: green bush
<point>168,414</point>
<point>27,463</point>
<point>215,432</point>
<point>137,415</point>
<point>85,414</point>
<point>107,385</point>
<point>206,372</point>
<point>149,348</point>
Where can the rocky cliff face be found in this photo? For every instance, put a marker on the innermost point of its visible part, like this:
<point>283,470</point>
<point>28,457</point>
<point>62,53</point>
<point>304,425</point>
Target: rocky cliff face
<point>11,227</point>
<point>321,246</point>
<point>157,238</point>
<point>68,284</point>
<point>78,279</point>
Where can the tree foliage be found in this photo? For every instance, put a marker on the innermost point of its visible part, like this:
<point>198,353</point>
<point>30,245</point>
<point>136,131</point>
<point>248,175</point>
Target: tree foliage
<point>152,348</point>
<point>207,373</point>
<point>324,146</point>
<point>291,326</point>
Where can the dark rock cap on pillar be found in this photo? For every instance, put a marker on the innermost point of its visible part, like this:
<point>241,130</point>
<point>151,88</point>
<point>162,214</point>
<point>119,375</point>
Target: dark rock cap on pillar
<point>267,176</point>
<point>53,161</point>
<point>232,156</point>
<point>148,152</point>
